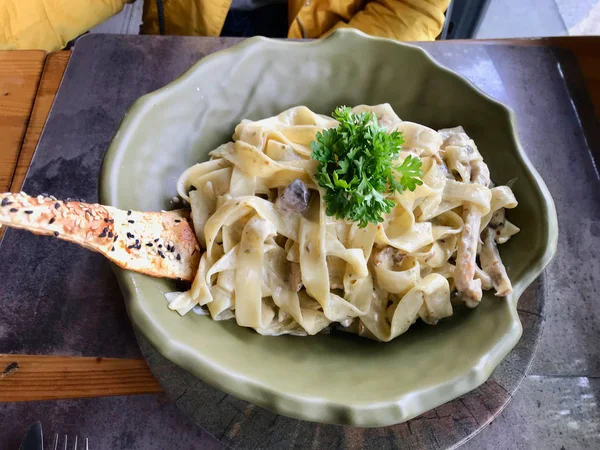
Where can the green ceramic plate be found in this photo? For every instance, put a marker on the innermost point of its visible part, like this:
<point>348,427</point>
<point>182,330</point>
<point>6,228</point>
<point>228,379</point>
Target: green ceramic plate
<point>334,379</point>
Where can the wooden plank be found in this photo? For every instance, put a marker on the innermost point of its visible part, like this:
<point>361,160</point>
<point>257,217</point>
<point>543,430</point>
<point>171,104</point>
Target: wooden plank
<point>33,377</point>
<point>55,66</point>
<point>19,76</point>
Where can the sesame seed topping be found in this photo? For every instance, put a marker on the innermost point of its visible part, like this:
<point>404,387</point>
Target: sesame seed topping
<point>112,249</point>
<point>56,233</point>
<point>110,234</point>
<point>177,220</point>
<point>40,198</point>
<point>159,245</point>
<point>28,211</point>
<point>77,222</point>
<point>168,248</point>
<point>161,254</point>
<point>6,202</point>
<point>131,246</point>
<point>130,221</point>
<point>103,234</point>
<point>129,235</point>
<point>115,239</point>
<point>137,241</point>
<point>128,213</point>
<point>149,244</point>
<point>53,197</point>
<point>51,221</point>
<point>156,240</point>
<point>105,230</point>
<point>13,210</point>
<point>178,257</point>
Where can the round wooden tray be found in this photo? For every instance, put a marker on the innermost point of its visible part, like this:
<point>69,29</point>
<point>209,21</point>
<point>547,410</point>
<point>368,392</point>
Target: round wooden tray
<point>241,425</point>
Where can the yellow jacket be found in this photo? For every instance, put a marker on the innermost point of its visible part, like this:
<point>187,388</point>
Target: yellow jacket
<point>50,24</point>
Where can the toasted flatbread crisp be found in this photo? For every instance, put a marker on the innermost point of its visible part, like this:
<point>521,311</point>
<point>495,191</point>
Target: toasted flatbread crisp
<point>157,244</point>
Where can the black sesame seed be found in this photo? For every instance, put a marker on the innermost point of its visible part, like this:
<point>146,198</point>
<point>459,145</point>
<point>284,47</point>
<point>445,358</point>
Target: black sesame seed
<point>161,254</point>
<point>129,235</point>
<point>159,245</point>
<point>137,241</point>
<point>105,230</point>
<point>130,221</point>
<point>156,240</point>
<point>110,234</point>
<point>177,220</point>
<point>131,246</point>
<point>128,213</point>
<point>6,202</point>
<point>112,249</point>
<point>13,209</point>
<point>51,221</point>
<point>56,233</point>
<point>149,244</point>
<point>115,239</point>
<point>102,235</point>
<point>106,219</point>
<point>57,205</point>
<point>172,249</point>
<point>168,248</point>
<point>178,257</point>
<point>28,211</point>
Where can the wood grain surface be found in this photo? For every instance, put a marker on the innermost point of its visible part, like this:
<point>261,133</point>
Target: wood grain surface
<point>19,76</point>
<point>54,68</point>
<point>32,377</point>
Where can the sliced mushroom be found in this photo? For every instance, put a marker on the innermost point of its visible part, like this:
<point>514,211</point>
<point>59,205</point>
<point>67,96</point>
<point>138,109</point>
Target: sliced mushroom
<point>295,279</point>
<point>294,198</point>
<point>388,254</point>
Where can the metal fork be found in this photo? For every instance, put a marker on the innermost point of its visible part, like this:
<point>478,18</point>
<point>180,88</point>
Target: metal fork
<point>56,445</point>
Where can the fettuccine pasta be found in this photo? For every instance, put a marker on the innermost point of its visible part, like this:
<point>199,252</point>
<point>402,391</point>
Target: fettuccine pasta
<point>276,262</point>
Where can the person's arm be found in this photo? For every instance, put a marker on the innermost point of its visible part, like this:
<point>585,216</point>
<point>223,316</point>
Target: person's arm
<point>50,24</point>
<point>403,20</point>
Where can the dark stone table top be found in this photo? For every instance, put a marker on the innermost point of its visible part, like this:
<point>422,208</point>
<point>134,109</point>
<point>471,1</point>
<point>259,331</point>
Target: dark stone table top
<point>76,306</point>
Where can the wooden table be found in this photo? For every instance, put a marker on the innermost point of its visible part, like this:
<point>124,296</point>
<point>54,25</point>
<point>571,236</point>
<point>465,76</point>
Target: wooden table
<point>29,81</point>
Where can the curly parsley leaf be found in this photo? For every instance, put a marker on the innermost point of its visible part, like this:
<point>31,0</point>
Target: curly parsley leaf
<point>356,167</point>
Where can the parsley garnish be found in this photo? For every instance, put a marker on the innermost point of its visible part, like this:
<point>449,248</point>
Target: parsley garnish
<point>356,169</point>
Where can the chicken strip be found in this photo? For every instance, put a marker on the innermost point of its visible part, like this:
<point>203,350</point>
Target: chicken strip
<point>469,287</point>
